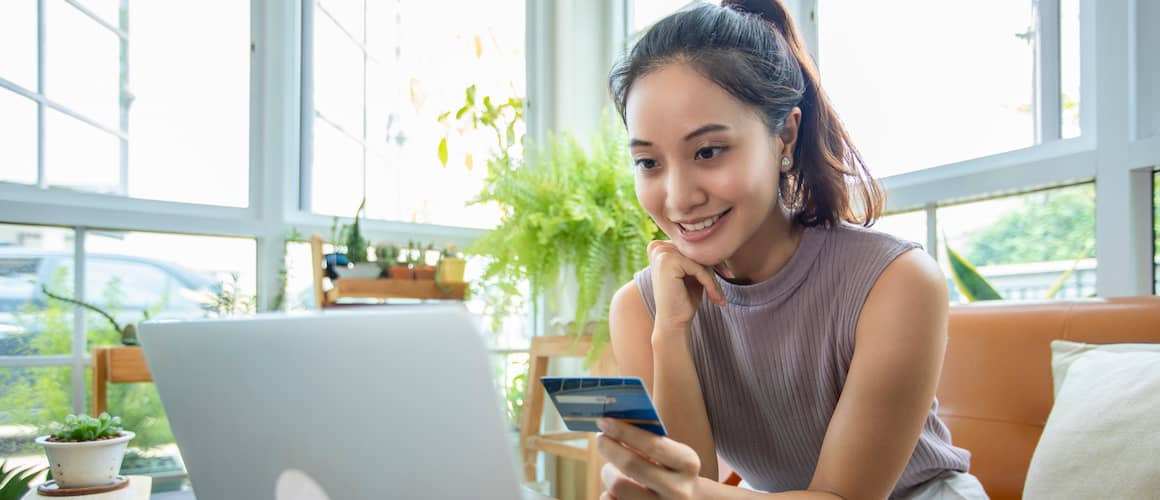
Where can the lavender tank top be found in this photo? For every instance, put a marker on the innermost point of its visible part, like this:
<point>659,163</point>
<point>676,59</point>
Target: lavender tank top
<point>772,363</point>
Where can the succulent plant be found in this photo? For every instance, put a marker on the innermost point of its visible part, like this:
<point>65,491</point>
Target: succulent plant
<point>86,428</point>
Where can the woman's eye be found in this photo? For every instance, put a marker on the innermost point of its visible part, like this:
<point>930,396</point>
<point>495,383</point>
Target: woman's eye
<point>709,153</point>
<point>646,163</point>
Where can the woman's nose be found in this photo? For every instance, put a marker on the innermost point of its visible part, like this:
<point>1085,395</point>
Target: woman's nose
<point>684,192</point>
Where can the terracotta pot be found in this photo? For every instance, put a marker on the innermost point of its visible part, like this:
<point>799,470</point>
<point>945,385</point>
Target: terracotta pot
<point>424,272</point>
<point>401,273</point>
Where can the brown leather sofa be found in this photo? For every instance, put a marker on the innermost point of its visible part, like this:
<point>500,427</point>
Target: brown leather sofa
<point>996,388</point>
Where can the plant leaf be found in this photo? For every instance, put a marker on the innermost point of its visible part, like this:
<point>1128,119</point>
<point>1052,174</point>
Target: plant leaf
<point>1055,288</point>
<point>14,482</point>
<point>968,280</point>
<point>443,152</point>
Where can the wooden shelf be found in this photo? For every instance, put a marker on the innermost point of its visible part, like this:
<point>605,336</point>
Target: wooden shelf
<point>378,288</point>
<point>116,365</point>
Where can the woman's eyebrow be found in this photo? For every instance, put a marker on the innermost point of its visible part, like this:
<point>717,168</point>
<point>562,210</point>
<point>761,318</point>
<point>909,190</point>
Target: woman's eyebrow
<point>705,129</point>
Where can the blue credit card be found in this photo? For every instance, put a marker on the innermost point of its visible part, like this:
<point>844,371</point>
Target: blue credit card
<point>582,400</point>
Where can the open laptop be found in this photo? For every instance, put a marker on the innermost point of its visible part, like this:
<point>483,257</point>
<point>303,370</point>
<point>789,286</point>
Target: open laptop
<point>387,402</point>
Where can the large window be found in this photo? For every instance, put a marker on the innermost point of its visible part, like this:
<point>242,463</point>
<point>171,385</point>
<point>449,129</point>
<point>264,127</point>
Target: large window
<point>909,226</point>
<point>130,275</point>
<point>159,111</point>
<point>1034,246</point>
<point>959,83</point>
<point>382,74</point>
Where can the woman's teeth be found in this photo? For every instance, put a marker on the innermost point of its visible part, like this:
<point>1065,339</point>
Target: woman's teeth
<point>701,225</point>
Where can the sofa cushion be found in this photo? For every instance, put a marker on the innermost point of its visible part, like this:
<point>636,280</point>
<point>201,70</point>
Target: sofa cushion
<point>995,393</point>
<point>1064,353</point>
<point>1100,440</point>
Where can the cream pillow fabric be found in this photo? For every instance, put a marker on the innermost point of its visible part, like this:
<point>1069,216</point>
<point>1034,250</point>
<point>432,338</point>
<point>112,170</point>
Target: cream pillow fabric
<point>1064,353</point>
<point>1102,439</point>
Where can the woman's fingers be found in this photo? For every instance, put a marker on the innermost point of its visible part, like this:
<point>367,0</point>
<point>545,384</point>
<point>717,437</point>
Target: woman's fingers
<point>664,254</point>
<point>667,453</point>
<point>640,475</point>
<point>620,487</point>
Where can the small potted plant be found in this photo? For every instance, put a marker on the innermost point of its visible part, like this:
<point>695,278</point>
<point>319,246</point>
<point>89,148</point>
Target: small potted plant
<point>398,269</point>
<point>423,268</point>
<point>451,266</point>
<point>356,251</point>
<point>86,451</point>
<point>386,256</point>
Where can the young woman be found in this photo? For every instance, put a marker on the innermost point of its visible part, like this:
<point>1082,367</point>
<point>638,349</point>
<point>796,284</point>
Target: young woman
<point>772,329</point>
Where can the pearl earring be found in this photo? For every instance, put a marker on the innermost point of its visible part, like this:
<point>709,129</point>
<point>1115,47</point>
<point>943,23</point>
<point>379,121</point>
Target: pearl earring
<point>785,161</point>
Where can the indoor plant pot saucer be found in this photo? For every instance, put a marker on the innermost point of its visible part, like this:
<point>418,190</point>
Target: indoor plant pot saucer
<point>86,463</point>
<point>359,270</point>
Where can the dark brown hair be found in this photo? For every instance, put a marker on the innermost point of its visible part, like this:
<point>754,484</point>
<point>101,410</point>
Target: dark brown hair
<point>752,50</point>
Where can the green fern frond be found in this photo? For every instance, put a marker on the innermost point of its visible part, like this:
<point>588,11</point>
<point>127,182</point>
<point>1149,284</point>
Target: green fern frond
<point>568,207</point>
<point>15,481</point>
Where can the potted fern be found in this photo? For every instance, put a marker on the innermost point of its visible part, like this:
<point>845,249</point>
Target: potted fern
<point>570,217</point>
<point>86,452</point>
<point>356,250</point>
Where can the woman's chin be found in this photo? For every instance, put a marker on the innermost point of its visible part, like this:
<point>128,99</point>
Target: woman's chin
<point>704,256</point>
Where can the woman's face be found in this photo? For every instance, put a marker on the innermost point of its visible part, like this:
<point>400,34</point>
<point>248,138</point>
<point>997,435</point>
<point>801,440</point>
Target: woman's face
<point>706,166</point>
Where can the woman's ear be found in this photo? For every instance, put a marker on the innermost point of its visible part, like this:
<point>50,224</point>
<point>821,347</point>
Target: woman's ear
<point>788,138</point>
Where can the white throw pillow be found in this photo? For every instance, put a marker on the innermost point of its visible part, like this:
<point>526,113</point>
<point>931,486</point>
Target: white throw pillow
<point>1102,439</point>
<point>1064,353</point>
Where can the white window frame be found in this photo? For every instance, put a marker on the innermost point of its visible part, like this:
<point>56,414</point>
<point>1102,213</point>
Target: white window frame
<point>273,210</point>
<point>1108,150</point>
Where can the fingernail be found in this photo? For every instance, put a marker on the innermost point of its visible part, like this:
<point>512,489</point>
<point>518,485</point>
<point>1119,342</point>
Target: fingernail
<point>602,424</point>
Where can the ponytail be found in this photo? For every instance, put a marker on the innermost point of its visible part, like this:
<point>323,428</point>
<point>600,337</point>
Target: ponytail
<point>752,49</point>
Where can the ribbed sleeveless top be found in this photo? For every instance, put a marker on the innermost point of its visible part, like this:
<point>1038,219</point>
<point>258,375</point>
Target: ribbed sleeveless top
<point>772,363</point>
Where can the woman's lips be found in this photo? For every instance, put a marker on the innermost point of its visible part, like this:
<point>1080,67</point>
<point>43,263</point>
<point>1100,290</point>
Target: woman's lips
<point>692,236</point>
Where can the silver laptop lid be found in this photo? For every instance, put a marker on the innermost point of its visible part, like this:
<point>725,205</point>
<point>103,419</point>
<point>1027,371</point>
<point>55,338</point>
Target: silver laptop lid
<point>381,403</point>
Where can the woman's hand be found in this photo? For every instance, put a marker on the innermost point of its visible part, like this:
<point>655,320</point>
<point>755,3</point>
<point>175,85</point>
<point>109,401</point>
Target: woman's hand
<point>644,465</point>
<point>678,284</point>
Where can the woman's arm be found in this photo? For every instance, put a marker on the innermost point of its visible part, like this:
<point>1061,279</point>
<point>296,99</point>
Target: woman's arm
<point>900,342</point>
<point>662,359</point>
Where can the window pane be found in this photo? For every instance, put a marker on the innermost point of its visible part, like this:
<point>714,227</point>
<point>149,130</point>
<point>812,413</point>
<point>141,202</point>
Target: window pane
<point>910,226</point>
<point>169,275</point>
<point>189,124</point>
<point>1028,244</point>
<point>338,171</point>
<point>348,14</point>
<point>1069,67</point>
<point>29,260</point>
<point>338,76</point>
<point>510,371</point>
<point>107,10</point>
<point>18,37</point>
<point>483,45</point>
<point>78,156</point>
<point>31,398</point>
<point>81,63</point>
<point>17,138</point>
<point>911,95</point>
<point>298,288</point>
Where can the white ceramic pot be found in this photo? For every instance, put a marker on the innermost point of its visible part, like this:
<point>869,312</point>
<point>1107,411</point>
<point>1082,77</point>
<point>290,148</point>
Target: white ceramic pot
<point>360,270</point>
<point>88,463</point>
